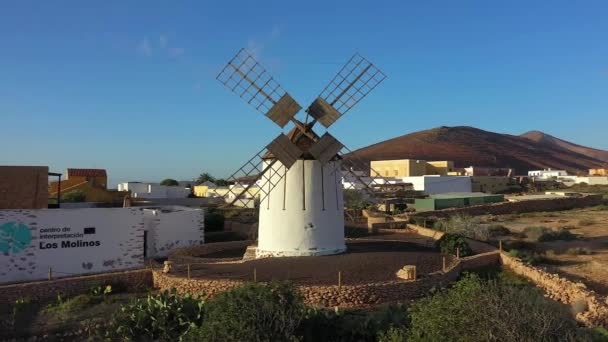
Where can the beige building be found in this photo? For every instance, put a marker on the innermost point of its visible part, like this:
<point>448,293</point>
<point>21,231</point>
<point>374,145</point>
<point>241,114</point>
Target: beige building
<point>598,172</point>
<point>443,167</point>
<point>409,168</point>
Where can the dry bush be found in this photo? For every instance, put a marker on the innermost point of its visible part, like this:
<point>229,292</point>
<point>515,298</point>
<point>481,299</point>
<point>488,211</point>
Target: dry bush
<point>586,222</point>
<point>579,251</point>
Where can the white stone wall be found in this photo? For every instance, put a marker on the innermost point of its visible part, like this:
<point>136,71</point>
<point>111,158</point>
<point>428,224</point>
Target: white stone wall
<point>304,213</point>
<point>92,240</point>
<point>173,227</point>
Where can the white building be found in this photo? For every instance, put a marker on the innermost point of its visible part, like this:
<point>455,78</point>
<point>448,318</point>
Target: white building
<point>590,180</point>
<point>430,184</point>
<point>92,240</point>
<point>154,190</point>
<point>351,182</point>
<point>547,173</point>
<point>435,184</point>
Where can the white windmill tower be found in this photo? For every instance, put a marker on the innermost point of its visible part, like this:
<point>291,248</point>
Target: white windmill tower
<point>298,176</point>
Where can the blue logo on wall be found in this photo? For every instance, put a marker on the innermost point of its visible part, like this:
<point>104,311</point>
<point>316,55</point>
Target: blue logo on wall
<point>14,237</point>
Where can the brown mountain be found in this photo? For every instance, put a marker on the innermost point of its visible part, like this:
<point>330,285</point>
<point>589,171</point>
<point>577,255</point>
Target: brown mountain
<point>544,138</point>
<point>468,146</point>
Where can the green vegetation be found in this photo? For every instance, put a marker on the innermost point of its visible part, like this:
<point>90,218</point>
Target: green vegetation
<point>214,220</point>
<point>64,307</point>
<point>169,182</point>
<point>495,230</point>
<point>490,306</point>
<point>205,177</point>
<point>252,312</point>
<point>165,317</point>
<point>464,225</point>
<point>579,251</point>
<point>450,242</point>
<point>74,196</point>
<point>356,199</point>
<point>478,310</point>
<point>527,256</point>
<point>543,234</point>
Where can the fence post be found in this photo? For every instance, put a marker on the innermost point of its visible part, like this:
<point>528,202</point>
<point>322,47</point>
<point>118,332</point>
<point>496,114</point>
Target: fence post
<point>457,253</point>
<point>500,245</point>
<point>339,280</point>
<point>255,275</point>
<point>50,273</point>
<point>188,271</point>
<point>444,264</point>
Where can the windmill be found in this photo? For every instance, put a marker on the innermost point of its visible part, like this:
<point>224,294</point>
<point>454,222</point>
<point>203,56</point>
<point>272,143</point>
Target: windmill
<point>297,178</point>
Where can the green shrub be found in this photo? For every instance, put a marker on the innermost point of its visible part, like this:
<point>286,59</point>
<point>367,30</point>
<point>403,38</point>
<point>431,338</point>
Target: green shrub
<point>166,316</point>
<point>495,230</point>
<point>393,334</point>
<point>439,226</point>
<point>73,304</point>
<point>214,221</point>
<point>468,226</point>
<point>450,242</point>
<point>169,182</point>
<point>526,256</point>
<point>252,312</point>
<point>519,244</point>
<point>475,310</point>
<point>356,199</point>
<point>579,251</point>
<point>321,324</point>
<point>74,196</point>
<point>560,234</point>
<point>535,232</point>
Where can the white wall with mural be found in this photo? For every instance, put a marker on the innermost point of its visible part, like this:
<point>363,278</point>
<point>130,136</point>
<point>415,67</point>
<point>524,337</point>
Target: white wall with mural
<point>92,240</point>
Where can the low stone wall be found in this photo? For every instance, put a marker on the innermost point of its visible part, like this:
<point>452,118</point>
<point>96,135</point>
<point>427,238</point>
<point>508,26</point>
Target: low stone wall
<point>502,208</point>
<point>197,254</point>
<point>433,234</point>
<point>563,290</point>
<point>48,289</point>
<point>363,295</point>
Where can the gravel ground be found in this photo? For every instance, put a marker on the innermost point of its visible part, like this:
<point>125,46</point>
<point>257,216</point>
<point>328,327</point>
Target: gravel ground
<point>365,262</point>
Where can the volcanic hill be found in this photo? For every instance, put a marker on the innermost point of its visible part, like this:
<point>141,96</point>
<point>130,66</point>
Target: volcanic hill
<point>550,140</point>
<point>468,146</point>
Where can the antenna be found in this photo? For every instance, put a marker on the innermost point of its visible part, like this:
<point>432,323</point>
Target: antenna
<point>357,78</point>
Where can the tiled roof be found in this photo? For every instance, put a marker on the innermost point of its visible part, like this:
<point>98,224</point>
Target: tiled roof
<point>87,173</point>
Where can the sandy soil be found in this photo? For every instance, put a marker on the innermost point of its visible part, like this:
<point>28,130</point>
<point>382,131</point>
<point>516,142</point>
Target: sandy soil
<point>366,261</point>
<point>590,224</point>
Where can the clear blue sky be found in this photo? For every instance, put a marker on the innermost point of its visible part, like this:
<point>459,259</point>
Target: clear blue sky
<point>130,86</point>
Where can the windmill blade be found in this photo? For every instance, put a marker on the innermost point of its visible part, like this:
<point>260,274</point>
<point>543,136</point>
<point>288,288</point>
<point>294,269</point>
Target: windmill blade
<point>358,175</point>
<point>357,78</point>
<point>244,76</point>
<point>262,172</point>
<point>326,148</point>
